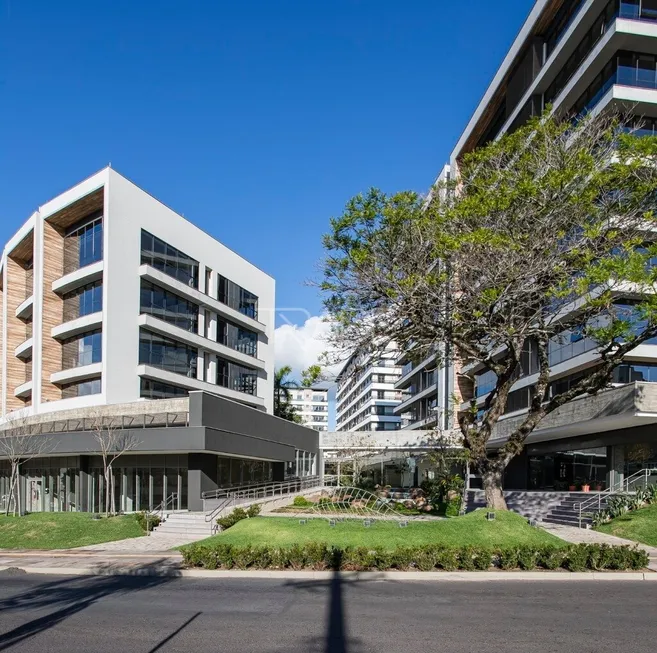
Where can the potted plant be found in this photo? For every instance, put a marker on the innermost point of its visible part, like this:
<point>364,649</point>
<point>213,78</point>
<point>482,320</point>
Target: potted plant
<point>598,486</point>
<point>572,487</point>
<point>586,486</point>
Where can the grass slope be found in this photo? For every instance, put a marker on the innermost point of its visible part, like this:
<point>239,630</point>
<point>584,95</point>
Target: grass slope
<point>638,525</point>
<point>508,529</point>
<point>63,530</point>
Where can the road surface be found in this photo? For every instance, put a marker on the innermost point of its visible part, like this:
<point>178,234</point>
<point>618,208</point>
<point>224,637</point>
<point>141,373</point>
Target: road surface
<point>113,614</point>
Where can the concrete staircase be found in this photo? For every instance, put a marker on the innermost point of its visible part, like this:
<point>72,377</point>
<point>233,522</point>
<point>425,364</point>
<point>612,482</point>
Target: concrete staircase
<point>567,512</point>
<point>551,507</point>
<point>190,525</point>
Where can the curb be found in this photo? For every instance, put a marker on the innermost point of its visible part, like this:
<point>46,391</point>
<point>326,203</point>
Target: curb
<point>445,576</point>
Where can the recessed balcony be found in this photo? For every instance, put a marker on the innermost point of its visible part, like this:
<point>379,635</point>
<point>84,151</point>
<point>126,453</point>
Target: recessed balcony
<point>24,350</point>
<point>79,277</point>
<point>24,390</point>
<point>77,326</point>
<point>74,374</point>
<point>24,309</point>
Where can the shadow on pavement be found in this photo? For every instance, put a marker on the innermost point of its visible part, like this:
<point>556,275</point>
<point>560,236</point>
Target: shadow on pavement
<point>69,596</point>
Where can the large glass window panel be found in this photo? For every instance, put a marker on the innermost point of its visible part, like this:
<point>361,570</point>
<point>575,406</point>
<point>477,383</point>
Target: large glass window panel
<point>167,354</point>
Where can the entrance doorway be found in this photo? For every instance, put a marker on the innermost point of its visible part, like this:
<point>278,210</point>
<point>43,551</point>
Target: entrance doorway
<point>34,493</point>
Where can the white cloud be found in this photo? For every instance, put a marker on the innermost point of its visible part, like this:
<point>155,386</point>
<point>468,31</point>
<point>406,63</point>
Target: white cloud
<point>301,346</point>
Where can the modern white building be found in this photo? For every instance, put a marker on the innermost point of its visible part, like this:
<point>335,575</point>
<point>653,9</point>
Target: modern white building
<point>118,313</point>
<point>312,405</point>
<point>366,396</point>
<point>109,296</point>
<point>576,56</point>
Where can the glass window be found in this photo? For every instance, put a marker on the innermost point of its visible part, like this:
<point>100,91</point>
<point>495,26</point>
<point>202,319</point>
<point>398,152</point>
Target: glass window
<point>168,306</point>
<point>82,388</point>
<point>167,354</point>
<point>83,349</point>
<point>83,243</point>
<point>237,338</point>
<point>237,297</point>
<point>150,389</point>
<point>168,259</point>
<point>83,301</point>
<point>236,377</point>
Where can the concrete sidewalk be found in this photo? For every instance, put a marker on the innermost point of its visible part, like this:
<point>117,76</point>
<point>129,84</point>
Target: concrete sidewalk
<point>588,536</point>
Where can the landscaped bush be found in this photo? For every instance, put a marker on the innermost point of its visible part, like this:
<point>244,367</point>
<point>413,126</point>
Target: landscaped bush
<point>301,502</point>
<point>238,515</point>
<point>147,521</point>
<point>619,504</point>
<point>316,555</point>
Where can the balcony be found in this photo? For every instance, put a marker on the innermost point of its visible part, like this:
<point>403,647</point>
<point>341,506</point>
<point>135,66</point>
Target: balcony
<point>170,283</point>
<point>191,383</point>
<point>79,277</point>
<point>24,350</point>
<point>24,309</point>
<point>24,390</point>
<point>195,340</point>
<point>74,374</point>
<point>77,326</point>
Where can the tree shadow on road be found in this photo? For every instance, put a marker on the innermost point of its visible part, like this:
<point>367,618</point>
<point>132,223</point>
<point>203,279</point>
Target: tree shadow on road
<point>70,595</point>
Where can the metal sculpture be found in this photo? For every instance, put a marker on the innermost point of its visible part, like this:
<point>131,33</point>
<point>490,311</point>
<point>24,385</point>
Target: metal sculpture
<point>354,503</point>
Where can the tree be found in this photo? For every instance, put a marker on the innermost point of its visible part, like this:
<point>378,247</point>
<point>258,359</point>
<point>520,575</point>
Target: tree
<point>283,396</point>
<point>354,454</point>
<point>545,235</point>
<point>20,442</point>
<point>113,442</point>
<point>311,375</point>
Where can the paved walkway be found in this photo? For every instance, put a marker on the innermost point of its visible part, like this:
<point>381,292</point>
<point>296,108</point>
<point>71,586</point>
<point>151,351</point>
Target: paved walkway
<point>589,536</point>
<point>155,543</point>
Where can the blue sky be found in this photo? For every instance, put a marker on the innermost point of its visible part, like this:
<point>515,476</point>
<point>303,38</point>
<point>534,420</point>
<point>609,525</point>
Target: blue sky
<point>257,119</point>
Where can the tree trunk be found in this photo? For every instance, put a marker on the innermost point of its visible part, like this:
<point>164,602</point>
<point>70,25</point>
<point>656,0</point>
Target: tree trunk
<point>492,482</point>
<point>107,491</point>
<point>11,497</point>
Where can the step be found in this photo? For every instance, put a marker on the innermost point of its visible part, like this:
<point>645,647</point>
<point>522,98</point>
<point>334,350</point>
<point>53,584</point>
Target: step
<point>185,529</point>
<point>567,521</point>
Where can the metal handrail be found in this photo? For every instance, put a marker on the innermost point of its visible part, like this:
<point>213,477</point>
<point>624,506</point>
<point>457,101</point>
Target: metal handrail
<point>618,488</point>
<point>254,492</point>
<point>159,509</point>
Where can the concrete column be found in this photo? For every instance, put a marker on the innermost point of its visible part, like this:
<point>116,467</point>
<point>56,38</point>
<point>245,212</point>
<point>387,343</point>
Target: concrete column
<point>212,332</point>
<point>201,477</point>
<point>617,472</point>
<point>200,365</point>
<point>83,486</point>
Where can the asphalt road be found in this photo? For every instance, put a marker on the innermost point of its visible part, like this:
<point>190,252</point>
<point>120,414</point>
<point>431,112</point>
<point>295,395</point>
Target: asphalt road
<point>143,615</point>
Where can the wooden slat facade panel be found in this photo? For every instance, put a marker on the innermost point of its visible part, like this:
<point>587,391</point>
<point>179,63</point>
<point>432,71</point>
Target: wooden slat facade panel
<point>52,310</point>
<point>17,331</point>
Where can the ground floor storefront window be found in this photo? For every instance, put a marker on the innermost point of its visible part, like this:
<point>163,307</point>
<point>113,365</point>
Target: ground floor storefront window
<point>233,472</point>
<point>564,469</point>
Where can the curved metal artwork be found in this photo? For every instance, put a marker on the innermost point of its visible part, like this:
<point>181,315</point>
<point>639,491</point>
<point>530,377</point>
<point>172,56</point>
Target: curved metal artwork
<point>354,503</point>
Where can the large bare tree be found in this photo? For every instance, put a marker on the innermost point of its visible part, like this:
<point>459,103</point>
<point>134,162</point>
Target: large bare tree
<point>543,236</point>
<point>20,442</point>
<point>112,442</point>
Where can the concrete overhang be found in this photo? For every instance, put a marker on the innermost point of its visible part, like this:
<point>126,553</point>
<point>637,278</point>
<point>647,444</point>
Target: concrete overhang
<point>79,277</point>
<point>77,326</point>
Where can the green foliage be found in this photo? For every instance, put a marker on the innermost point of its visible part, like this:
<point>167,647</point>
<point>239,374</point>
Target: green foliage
<point>147,521</point>
<point>428,557</point>
<point>302,502</point>
<point>230,520</point>
<point>519,233</point>
<point>253,510</point>
<point>312,375</point>
<point>282,395</point>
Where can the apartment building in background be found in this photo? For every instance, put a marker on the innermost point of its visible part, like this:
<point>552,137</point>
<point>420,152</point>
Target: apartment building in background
<point>312,405</point>
<point>112,304</point>
<point>366,396</point>
<point>577,56</point>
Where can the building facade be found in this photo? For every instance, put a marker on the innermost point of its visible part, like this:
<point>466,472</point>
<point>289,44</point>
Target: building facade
<point>366,395</point>
<point>113,303</point>
<point>312,405</point>
<point>576,56</point>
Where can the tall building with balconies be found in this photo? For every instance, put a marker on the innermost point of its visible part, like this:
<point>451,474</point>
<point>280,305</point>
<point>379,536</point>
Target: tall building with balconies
<point>312,406</point>
<point>118,313</point>
<point>109,296</point>
<point>366,396</point>
<point>576,56</point>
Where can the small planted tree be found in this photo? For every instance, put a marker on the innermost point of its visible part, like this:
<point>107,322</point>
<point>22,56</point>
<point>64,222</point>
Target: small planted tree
<point>20,442</point>
<point>112,443</point>
<point>283,386</point>
<point>545,236</point>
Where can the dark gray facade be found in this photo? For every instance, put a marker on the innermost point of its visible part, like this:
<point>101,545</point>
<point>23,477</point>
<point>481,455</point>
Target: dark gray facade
<point>220,434</point>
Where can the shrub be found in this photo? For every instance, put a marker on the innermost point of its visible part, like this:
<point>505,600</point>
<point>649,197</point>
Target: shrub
<point>316,555</point>
<point>147,521</point>
<point>253,510</point>
<point>230,520</point>
<point>301,502</point>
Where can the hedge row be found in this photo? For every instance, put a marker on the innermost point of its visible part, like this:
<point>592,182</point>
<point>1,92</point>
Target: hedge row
<point>318,556</point>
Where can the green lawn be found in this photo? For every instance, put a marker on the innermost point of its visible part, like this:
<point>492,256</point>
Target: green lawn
<point>507,529</point>
<point>64,530</point>
<point>638,525</point>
